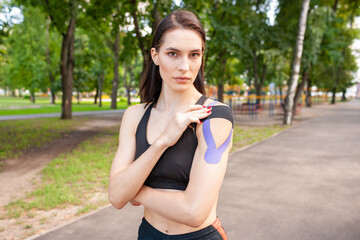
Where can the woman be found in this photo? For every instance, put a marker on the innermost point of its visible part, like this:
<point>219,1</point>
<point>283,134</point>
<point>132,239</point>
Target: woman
<point>173,149</point>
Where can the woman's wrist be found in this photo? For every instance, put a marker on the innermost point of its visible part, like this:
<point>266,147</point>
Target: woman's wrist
<point>161,143</point>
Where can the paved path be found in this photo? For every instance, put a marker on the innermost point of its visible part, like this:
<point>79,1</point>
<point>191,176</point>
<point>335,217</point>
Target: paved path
<point>302,184</point>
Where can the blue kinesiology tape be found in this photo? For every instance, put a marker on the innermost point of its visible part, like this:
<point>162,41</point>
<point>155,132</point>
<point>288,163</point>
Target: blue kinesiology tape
<point>213,154</point>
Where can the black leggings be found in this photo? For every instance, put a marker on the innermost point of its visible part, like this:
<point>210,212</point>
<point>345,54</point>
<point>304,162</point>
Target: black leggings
<point>212,232</point>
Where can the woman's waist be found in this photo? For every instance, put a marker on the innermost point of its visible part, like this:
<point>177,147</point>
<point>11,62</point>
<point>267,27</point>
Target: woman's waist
<point>171,227</point>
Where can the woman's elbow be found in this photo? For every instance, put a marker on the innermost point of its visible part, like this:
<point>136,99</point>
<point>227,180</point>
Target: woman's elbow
<point>117,204</point>
<point>116,201</point>
<point>196,221</point>
<point>196,218</point>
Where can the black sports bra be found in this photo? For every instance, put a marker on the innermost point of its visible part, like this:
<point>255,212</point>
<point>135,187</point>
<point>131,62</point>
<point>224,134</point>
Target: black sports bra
<point>172,170</point>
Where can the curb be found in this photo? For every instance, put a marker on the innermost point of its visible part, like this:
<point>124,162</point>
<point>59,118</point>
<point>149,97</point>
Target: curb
<point>67,223</point>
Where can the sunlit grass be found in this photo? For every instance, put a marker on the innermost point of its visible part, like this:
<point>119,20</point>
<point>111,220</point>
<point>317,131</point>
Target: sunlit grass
<point>17,105</point>
<point>246,135</point>
<point>18,135</point>
<point>72,178</point>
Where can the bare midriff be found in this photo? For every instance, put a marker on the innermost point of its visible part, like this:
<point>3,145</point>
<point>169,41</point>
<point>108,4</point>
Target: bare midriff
<point>171,227</point>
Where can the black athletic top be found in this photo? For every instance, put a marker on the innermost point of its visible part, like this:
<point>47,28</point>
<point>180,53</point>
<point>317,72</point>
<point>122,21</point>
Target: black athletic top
<point>172,170</point>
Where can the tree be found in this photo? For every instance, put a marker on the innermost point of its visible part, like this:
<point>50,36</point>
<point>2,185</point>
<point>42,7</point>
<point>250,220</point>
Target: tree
<point>289,100</point>
<point>63,15</point>
<point>316,27</point>
<point>27,66</point>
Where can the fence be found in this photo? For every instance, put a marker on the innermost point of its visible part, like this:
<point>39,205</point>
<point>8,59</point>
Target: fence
<point>266,105</point>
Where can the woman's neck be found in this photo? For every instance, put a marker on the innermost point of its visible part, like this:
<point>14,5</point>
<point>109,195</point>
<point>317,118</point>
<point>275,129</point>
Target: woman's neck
<point>170,101</point>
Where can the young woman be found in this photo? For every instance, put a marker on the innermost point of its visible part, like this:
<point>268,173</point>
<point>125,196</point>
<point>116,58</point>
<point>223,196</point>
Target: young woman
<point>173,149</point>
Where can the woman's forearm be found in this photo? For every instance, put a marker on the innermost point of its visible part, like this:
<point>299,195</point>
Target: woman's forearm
<point>182,206</point>
<point>125,184</point>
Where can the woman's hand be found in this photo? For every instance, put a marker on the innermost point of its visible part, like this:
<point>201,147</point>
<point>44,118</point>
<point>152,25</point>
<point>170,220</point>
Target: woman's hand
<point>181,120</point>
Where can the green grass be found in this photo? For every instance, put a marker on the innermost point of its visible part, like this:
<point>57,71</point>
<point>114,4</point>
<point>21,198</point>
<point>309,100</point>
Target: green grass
<point>245,135</point>
<point>17,105</point>
<point>73,178</point>
<point>19,135</point>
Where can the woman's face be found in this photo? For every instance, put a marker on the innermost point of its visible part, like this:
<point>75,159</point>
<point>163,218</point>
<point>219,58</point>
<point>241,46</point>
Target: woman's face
<point>179,58</point>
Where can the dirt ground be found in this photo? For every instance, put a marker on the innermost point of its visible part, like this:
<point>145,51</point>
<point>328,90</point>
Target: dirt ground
<point>18,176</point>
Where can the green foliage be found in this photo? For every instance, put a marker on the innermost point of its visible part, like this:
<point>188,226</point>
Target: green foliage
<point>336,65</point>
<point>26,63</point>
<point>241,43</point>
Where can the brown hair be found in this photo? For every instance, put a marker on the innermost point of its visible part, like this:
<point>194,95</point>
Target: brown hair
<point>151,83</point>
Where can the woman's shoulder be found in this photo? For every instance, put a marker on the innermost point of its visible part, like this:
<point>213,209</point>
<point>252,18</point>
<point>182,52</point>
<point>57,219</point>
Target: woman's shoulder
<point>213,102</point>
<point>219,111</point>
<point>135,112</point>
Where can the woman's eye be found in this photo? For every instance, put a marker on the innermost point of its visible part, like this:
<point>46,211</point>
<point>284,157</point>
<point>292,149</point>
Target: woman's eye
<point>172,54</point>
<point>194,55</point>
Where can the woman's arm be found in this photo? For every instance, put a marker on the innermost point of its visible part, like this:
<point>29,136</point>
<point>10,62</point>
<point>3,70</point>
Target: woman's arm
<point>192,206</point>
<point>127,176</point>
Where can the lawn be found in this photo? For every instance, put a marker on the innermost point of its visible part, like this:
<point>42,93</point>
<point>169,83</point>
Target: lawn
<point>18,105</point>
<point>246,135</point>
<point>17,136</point>
<point>72,178</point>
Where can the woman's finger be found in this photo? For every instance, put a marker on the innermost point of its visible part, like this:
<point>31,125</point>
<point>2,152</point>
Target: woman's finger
<point>193,108</point>
<point>202,113</point>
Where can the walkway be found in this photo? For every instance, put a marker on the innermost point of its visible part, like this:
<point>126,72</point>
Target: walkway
<point>302,184</point>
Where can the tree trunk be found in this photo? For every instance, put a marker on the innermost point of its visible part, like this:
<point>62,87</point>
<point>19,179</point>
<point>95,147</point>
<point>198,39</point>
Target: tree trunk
<point>295,68</point>
<point>299,90</point>
<point>32,97</point>
<point>127,86</point>
<point>259,85</point>
<point>281,94</point>
<point>221,84</point>
<point>343,97</point>
<point>51,75</point>
<point>96,94</point>
<point>141,41</point>
<point>333,98</point>
<point>100,83</point>
<point>254,62</point>
<point>335,88</point>
<point>308,93</point>
<point>116,71</point>
<point>66,69</point>
<point>78,97</point>
<point>221,92</point>
<point>335,5</point>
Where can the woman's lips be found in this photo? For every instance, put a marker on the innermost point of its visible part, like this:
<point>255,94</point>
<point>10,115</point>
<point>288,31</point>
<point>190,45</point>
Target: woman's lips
<point>182,79</point>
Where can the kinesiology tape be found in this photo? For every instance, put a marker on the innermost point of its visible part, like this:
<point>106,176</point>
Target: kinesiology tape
<point>213,154</point>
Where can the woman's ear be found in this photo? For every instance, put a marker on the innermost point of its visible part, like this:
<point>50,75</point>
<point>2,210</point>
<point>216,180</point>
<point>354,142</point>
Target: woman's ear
<point>155,56</point>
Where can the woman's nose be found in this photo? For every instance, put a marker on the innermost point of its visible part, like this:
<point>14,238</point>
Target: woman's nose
<point>183,64</point>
